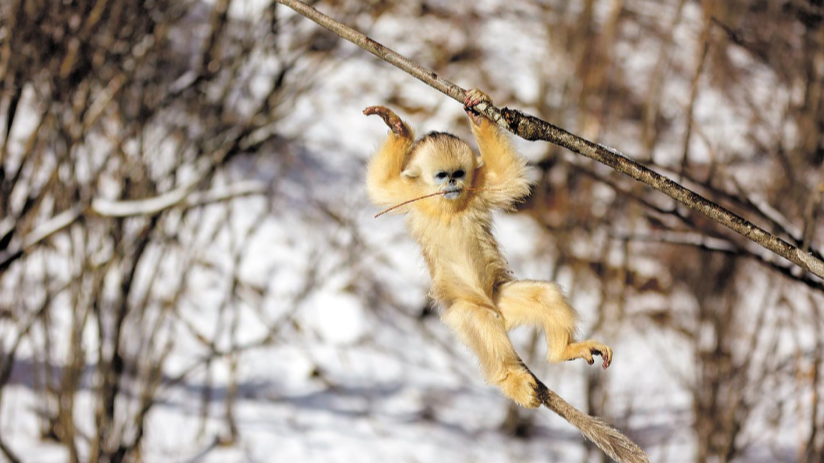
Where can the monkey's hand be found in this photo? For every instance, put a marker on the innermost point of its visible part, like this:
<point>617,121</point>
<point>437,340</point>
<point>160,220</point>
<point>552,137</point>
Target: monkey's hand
<point>391,119</point>
<point>473,98</point>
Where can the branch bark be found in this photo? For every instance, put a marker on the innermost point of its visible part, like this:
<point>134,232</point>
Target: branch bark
<point>532,128</point>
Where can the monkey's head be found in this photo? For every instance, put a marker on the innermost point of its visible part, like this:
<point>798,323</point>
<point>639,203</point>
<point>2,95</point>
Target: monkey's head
<point>442,162</point>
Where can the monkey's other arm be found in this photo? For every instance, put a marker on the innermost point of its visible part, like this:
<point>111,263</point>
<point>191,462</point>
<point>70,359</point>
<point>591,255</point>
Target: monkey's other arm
<point>504,171</point>
<point>384,181</point>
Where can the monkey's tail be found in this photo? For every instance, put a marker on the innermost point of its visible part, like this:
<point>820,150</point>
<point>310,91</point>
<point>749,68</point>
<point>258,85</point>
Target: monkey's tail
<point>607,438</point>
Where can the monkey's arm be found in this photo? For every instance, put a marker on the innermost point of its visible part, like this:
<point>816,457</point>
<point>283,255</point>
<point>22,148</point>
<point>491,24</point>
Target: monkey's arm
<point>504,171</point>
<point>384,182</point>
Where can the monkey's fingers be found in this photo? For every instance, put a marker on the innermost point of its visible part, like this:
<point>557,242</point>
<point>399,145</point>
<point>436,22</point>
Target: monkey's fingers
<point>473,98</point>
<point>382,111</point>
<point>389,118</point>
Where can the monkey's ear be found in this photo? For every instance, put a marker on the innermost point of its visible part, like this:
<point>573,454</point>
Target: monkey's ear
<point>411,173</point>
<point>479,162</point>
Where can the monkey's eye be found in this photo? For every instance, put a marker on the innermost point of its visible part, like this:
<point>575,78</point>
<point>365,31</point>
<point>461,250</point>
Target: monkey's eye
<point>459,173</point>
<point>441,175</point>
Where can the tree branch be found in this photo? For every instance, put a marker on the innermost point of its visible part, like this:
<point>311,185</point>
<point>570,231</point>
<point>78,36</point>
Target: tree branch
<point>531,128</point>
<point>184,197</point>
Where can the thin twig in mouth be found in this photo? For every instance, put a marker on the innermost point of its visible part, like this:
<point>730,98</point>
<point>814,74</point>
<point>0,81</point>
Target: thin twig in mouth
<point>429,196</point>
<point>411,201</point>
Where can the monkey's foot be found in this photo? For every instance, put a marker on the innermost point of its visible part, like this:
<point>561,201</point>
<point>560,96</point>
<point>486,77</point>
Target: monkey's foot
<point>586,349</point>
<point>520,386</point>
<point>389,118</point>
<point>473,98</point>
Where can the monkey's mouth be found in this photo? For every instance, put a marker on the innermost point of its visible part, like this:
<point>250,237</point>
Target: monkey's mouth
<point>452,192</point>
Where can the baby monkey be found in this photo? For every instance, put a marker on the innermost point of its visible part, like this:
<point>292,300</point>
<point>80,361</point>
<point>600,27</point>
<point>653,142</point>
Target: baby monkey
<point>470,277</point>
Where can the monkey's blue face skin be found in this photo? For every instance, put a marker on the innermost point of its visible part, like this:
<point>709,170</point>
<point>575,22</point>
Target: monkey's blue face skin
<point>452,193</point>
<point>451,182</point>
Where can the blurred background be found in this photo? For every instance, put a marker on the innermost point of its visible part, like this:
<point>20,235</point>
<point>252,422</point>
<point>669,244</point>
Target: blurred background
<point>190,270</point>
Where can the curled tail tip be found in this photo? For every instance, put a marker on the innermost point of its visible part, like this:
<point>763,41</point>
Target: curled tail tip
<point>612,442</point>
<point>607,438</point>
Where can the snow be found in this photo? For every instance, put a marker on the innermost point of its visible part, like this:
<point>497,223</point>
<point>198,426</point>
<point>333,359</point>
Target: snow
<point>336,317</point>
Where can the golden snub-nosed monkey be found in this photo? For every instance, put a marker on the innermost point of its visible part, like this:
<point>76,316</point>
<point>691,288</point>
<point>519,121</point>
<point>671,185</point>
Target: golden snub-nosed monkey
<point>470,277</point>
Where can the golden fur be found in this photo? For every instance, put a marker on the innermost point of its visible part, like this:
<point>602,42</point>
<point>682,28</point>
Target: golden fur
<point>470,277</point>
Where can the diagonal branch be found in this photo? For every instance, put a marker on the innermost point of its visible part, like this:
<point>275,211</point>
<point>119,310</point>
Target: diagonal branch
<point>531,128</point>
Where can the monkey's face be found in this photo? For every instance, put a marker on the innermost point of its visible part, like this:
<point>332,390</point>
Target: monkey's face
<point>443,163</point>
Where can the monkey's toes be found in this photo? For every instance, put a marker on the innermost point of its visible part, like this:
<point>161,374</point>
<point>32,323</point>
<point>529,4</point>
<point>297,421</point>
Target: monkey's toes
<point>605,352</point>
<point>586,349</point>
<point>520,386</point>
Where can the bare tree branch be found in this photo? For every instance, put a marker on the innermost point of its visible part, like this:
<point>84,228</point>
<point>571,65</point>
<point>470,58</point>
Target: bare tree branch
<point>183,196</point>
<point>531,128</point>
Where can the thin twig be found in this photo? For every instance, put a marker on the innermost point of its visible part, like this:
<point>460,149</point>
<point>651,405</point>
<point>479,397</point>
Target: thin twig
<point>531,128</point>
<point>409,201</point>
<point>428,196</point>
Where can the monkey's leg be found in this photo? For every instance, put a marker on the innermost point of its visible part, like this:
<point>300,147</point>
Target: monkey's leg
<point>482,329</point>
<point>542,304</point>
